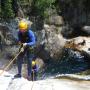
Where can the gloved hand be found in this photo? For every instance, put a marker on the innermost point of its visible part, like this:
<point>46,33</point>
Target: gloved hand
<point>24,44</point>
<point>22,49</point>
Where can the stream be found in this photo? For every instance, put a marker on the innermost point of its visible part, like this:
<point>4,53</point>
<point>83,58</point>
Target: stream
<point>67,74</point>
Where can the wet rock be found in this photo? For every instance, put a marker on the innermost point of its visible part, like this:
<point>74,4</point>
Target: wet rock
<point>74,12</point>
<point>6,36</point>
<point>7,83</point>
<point>56,20</point>
<point>53,42</point>
<point>67,31</point>
<point>86,29</point>
<point>81,44</point>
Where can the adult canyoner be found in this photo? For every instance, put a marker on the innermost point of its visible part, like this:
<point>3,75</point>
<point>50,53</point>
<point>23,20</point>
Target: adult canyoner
<point>26,39</point>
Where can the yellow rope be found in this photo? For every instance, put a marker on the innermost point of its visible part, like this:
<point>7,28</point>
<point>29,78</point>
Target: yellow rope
<point>11,61</point>
<point>33,75</point>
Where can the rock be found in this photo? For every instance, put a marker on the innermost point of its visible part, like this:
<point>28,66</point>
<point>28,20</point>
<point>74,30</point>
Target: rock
<point>74,12</point>
<point>39,63</point>
<point>73,31</point>
<point>6,35</point>
<point>86,29</point>
<point>7,83</point>
<point>81,44</point>
<point>56,20</point>
<point>54,41</point>
<point>49,42</point>
<point>48,84</point>
<point>5,79</point>
<point>67,31</point>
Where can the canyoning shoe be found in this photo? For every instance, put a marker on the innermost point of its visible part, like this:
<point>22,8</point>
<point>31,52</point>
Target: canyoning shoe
<point>17,76</point>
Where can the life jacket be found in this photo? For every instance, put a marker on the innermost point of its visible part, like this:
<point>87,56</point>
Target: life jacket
<point>25,37</point>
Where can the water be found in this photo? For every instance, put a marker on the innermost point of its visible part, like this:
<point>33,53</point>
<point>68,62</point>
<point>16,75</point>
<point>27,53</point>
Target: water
<point>71,62</point>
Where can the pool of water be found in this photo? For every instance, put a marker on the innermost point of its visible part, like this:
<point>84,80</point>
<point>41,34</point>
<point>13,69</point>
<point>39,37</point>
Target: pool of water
<point>71,62</point>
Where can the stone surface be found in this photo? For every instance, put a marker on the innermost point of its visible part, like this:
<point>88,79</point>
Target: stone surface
<point>7,83</point>
<point>54,41</point>
<point>81,44</point>
<point>86,29</point>
<point>71,82</point>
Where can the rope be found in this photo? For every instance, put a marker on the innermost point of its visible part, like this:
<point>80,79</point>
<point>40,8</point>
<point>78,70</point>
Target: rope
<point>33,75</point>
<point>11,61</point>
<point>32,79</point>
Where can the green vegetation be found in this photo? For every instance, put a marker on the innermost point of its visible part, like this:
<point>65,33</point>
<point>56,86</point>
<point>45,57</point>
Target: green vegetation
<point>6,9</point>
<point>43,6</point>
<point>38,7</point>
<point>11,8</point>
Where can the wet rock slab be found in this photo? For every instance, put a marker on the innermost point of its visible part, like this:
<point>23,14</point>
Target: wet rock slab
<point>81,44</point>
<point>49,84</point>
<point>8,83</point>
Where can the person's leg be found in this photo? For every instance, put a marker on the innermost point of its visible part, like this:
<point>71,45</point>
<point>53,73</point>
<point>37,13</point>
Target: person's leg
<point>29,62</point>
<point>35,76</point>
<point>19,64</point>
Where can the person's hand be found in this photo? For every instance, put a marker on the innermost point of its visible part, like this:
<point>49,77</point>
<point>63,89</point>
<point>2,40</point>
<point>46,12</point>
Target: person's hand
<point>24,44</point>
<point>22,49</point>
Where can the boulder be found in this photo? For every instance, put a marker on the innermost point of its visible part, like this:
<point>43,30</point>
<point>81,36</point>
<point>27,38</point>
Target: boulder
<point>54,41</point>
<point>81,44</point>
<point>56,20</point>
<point>86,29</point>
<point>6,35</point>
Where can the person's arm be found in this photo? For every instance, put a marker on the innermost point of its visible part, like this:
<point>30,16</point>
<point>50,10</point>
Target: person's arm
<point>32,36</point>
